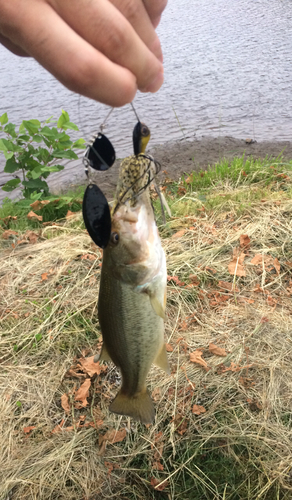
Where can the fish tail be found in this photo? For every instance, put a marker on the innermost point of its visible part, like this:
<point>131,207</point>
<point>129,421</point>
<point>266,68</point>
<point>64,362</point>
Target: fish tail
<point>139,407</point>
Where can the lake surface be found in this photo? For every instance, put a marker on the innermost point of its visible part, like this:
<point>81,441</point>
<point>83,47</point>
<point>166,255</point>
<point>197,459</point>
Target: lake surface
<point>227,72</point>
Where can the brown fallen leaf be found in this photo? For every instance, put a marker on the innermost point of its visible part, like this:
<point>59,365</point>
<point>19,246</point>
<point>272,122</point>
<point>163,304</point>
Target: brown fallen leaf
<point>70,214</point>
<point>88,256</point>
<point>32,215</point>
<point>271,301</point>
<point>157,484</point>
<point>110,467</point>
<point>96,424</point>
<point>44,276</point>
<point>73,373</point>
<point>83,392</point>
<point>264,319</point>
<point>8,233</point>
<point>235,267</point>
<point>233,367</point>
<point>168,347</point>
<point>244,241</point>
<point>8,218</point>
<point>58,427</point>
<point>50,223</point>
<point>226,285</point>
<point>262,259</point>
<point>198,409</point>
<point>65,403</point>
<point>265,260</point>
<point>196,357</point>
<point>277,265</point>
<point>247,382</point>
<point>79,425</point>
<point>156,464</point>
<point>194,279</point>
<point>31,236</point>
<point>176,280</point>
<point>179,234</point>
<point>181,191</point>
<point>210,228</point>
<point>218,351</point>
<point>112,436</point>
<point>257,259</point>
<point>38,204</point>
<point>27,430</point>
<point>91,368</point>
<point>183,326</point>
<point>156,394</point>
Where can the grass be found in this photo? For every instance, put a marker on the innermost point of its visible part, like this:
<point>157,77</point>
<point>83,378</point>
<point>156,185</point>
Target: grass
<point>53,211</point>
<point>239,448</point>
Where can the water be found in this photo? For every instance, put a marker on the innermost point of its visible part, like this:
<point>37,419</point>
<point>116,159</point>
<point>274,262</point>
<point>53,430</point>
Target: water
<point>227,72</point>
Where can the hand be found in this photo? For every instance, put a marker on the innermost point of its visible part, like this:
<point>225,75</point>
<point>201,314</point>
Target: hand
<point>102,49</point>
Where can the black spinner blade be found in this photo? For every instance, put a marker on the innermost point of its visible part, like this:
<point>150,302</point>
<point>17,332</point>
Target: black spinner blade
<point>96,215</point>
<point>100,154</point>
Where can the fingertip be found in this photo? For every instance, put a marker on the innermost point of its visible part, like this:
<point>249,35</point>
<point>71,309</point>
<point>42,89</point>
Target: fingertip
<point>156,21</point>
<point>124,94</point>
<point>102,81</point>
<point>156,49</point>
<point>155,85</point>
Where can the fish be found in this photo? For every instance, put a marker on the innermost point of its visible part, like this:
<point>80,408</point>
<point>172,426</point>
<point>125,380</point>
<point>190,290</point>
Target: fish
<point>132,294</point>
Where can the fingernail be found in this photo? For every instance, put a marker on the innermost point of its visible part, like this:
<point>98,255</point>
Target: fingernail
<point>155,84</point>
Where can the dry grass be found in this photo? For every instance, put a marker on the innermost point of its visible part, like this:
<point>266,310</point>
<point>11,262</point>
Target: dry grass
<point>239,448</point>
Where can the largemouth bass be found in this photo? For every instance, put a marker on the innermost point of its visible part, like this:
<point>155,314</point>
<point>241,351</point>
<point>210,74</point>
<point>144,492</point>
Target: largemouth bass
<point>132,296</point>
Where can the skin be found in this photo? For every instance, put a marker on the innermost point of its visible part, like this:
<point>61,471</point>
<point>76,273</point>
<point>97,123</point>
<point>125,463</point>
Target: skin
<point>102,49</point>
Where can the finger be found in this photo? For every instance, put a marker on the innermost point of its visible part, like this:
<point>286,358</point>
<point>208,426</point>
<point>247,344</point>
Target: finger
<point>134,11</point>
<point>106,29</point>
<point>12,47</point>
<point>154,9</point>
<point>73,61</point>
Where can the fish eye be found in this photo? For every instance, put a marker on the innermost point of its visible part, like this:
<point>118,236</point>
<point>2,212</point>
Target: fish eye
<point>115,238</point>
<point>144,130</point>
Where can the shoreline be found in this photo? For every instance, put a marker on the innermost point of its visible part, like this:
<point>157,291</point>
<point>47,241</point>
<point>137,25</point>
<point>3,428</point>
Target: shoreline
<point>176,158</point>
<point>184,156</point>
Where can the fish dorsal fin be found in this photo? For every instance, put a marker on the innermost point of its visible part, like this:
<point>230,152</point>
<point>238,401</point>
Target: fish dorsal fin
<point>103,356</point>
<point>162,361</point>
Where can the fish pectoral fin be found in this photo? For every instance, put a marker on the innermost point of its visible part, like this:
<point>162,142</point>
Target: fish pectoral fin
<point>162,361</point>
<point>139,407</point>
<point>153,290</point>
<point>157,306</point>
<point>103,356</point>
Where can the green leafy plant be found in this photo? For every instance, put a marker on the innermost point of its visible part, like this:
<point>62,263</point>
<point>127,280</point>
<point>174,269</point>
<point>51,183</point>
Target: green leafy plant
<point>35,150</point>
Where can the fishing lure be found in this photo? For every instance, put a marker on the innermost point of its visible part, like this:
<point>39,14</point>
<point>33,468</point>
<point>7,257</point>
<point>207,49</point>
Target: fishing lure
<point>100,155</point>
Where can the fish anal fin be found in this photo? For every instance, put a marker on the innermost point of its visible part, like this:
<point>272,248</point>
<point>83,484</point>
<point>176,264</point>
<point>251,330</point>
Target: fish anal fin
<point>103,356</point>
<point>157,306</point>
<point>139,407</point>
<point>162,361</point>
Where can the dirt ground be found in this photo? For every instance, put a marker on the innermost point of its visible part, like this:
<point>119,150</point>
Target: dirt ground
<point>183,156</point>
